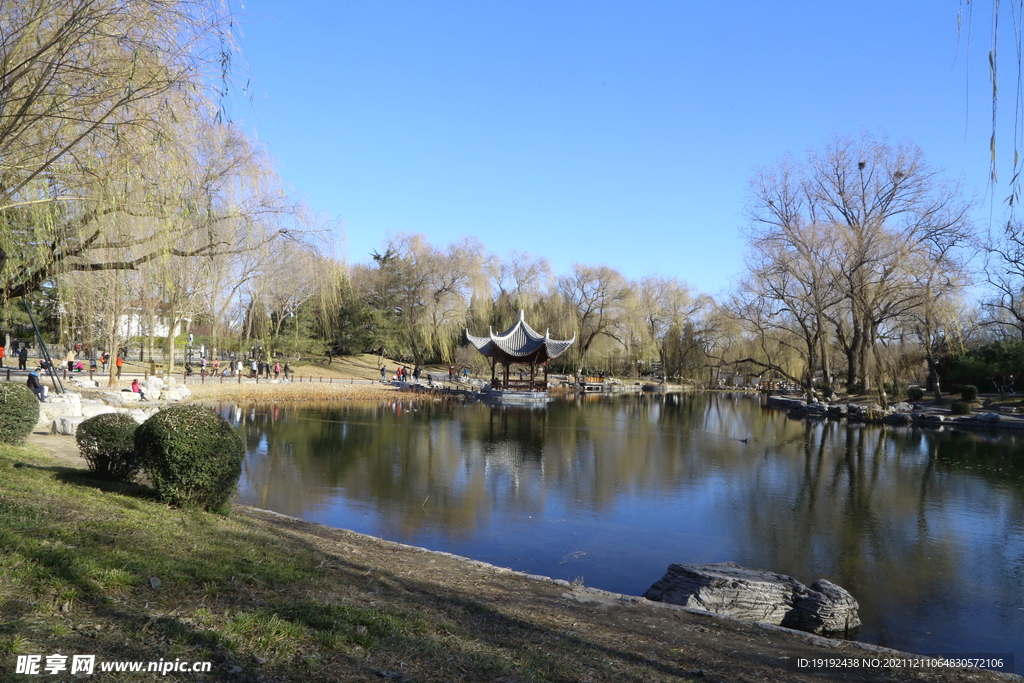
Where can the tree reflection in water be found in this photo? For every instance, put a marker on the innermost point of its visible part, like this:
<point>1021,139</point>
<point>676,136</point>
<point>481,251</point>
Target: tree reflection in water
<point>925,528</point>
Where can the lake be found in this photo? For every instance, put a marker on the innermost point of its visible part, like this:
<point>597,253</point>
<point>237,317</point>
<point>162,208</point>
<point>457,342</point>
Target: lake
<point>924,527</point>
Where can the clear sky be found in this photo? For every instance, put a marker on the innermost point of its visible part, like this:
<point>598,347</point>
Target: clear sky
<point>618,133</point>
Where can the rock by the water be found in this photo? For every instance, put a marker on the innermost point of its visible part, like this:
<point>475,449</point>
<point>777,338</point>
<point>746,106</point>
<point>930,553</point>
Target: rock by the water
<point>729,589</point>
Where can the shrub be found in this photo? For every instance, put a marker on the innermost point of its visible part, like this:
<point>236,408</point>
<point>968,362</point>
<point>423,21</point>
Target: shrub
<point>894,388</point>
<point>192,455</point>
<point>915,394</point>
<point>968,392</point>
<point>960,408</point>
<point>107,442</point>
<point>19,412</point>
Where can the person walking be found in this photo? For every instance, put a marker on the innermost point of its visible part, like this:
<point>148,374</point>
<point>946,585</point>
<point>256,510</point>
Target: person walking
<point>287,369</point>
<point>277,370</point>
<point>383,374</point>
<point>254,369</point>
<point>70,358</point>
<point>23,358</point>
<point>119,362</point>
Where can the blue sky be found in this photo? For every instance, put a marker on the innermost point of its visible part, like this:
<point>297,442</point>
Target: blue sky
<point>617,133</point>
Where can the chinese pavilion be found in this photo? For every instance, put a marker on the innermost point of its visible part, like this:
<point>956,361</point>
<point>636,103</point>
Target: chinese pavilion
<point>522,345</point>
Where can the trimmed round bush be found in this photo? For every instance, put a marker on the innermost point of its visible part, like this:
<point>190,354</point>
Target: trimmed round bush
<point>192,455</point>
<point>107,442</point>
<point>915,394</point>
<point>969,392</point>
<point>960,408</point>
<point>19,412</point>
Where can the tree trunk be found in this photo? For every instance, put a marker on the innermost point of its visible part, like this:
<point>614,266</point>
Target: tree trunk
<point>853,359</point>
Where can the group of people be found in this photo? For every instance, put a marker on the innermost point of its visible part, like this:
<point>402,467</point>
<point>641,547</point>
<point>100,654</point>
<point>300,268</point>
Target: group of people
<point>233,368</point>
<point>402,374</point>
<point>20,353</point>
<point>261,369</point>
<point>79,365</point>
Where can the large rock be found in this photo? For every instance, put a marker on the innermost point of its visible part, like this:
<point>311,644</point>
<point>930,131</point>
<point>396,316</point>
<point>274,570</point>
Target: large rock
<point>69,403</point>
<point>178,393</point>
<point>754,595</point>
<point>93,409</point>
<point>67,426</point>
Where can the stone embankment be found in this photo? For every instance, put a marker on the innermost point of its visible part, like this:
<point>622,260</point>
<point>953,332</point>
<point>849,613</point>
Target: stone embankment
<point>897,413</point>
<point>62,413</point>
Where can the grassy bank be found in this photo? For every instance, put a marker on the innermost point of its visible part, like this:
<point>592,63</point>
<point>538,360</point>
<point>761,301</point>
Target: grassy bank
<point>92,568</point>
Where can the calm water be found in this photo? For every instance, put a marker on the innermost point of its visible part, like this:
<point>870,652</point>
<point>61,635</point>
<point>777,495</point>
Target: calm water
<point>925,528</point>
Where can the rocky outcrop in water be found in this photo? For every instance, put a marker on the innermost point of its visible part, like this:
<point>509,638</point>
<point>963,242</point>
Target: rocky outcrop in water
<point>754,595</point>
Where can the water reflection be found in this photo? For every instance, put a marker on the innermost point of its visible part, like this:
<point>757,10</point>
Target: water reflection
<point>925,528</point>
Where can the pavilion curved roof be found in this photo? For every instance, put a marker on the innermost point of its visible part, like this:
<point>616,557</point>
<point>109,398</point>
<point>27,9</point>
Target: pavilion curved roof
<point>520,341</point>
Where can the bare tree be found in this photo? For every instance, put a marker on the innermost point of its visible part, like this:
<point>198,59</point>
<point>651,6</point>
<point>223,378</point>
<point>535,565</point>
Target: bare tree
<point>884,207</point>
<point>598,296</point>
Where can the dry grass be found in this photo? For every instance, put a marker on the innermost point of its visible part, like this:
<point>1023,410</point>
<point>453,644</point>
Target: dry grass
<point>295,391</point>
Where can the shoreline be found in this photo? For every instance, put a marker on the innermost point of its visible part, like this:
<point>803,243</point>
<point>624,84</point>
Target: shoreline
<point>722,645</point>
<point>654,637</point>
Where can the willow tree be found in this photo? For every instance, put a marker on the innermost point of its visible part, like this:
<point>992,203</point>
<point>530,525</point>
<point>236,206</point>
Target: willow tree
<point>421,294</point>
<point>665,306</point>
<point>113,151</point>
<point>520,283</point>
